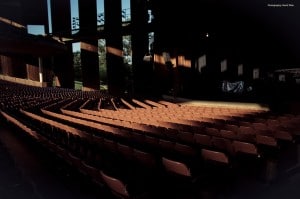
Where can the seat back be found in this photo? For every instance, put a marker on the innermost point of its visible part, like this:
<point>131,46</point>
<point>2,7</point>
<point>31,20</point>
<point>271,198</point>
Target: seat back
<point>117,187</point>
<point>144,158</point>
<point>202,139</point>
<point>176,167</point>
<point>216,156</point>
<point>245,147</point>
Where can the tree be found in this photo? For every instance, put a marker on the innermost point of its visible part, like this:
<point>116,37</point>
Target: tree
<point>102,61</point>
<point>77,66</point>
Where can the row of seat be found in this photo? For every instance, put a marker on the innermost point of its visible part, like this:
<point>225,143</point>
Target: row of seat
<point>229,131</point>
<point>74,146</point>
<point>110,138</point>
<point>218,143</point>
<point>199,139</point>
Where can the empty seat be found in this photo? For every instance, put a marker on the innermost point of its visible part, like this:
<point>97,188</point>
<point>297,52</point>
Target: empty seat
<point>176,167</point>
<point>166,146</point>
<point>74,160</point>
<point>186,137</point>
<point>214,156</point>
<point>244,147</point>
<point>184,150</point>
<point>232,127</point>
<point>228,134</point>
<point>139,137</point>
<point>125,190</point>
<point>116,186</point>
<point>247,134</point>
<point>171,133</point>
<point>202,139</point>
<point>283,135</point>
<point>222,144</point>
<point>266,140</point>
<point>110,145</point>
<point>126,151</point>
<point>145,159</point>
<point>262,128</point>
<point>152,141</point>
<point>92,172</point>
<point>212,131</point>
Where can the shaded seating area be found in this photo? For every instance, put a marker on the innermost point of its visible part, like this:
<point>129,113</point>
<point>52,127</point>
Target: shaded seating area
<point>138,146</point>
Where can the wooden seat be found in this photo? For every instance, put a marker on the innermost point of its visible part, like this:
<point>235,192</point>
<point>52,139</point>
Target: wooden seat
<point>266,140</point>
<point>152,141</point>
<point>232,127</point>
<point>214,156</point>
<point>186,137</point>
<point>166,146</point>
<point>247,134</point>
<point>212,131</point>
<point>283,135</point>
<point>74,160</point>
<point>184,150</point>
<point>117,187</point>
<point>222,144</point>
<point>110,146</point>
<point>126,151</point>
<point>125,190</point>
<point>202,139</point>
<point>145,159</point>
<point>228,134</point>
<point>176,167</point>
<point>92,172</point>
<point>244,147</point>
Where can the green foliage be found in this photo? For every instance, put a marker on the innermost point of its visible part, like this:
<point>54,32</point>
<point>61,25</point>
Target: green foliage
<point>102,60</point>
<point>103,73</point>
<point>77,66</point>
<point>78,85</point>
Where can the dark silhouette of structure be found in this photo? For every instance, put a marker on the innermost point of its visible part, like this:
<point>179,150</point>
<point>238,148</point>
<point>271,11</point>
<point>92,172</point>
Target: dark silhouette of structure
<point>245,36</point>
<point>139,136</point>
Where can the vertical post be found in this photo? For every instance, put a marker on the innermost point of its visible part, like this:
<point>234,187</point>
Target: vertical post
<point>62,64</point>
<point>142,71</point>
<point>41,70</point>
<point>89,46</point>
<point>60,15</point>
<point>63,68</point>
<point>114,47</point>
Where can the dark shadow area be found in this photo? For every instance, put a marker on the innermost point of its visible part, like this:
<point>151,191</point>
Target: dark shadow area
<point>31,171</point>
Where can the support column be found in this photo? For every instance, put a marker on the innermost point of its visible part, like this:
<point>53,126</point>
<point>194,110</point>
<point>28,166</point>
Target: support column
<point>63,69</point>
<point>89,47</point>
<point>160,71</point>
<point>61,17</point>
<point>61,26</point>
<point>140,47</point>
<point>114,47</point>
<point>40,69</point>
